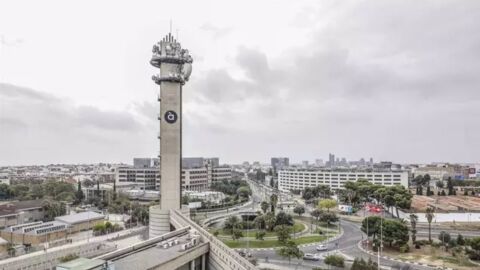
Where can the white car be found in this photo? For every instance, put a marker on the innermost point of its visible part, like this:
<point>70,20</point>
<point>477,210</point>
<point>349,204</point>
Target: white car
<point>321,248</point>
<point>311,257</point>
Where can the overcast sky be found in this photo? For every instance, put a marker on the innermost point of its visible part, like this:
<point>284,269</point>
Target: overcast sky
<point>392,80</point>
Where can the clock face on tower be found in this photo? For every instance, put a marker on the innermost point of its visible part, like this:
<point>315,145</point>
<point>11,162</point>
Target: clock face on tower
<point>171,117</point>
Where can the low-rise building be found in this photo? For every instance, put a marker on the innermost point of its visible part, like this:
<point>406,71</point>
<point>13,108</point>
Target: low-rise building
<point>81,221</point>
<point>137,178</point>
<point>19,212</point>
<point>35,233</point>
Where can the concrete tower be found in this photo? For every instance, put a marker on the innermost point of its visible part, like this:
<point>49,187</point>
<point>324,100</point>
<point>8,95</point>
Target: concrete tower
<point>175,66</point>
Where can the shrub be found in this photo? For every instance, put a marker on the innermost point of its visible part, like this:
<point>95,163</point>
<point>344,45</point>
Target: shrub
<point>259,235</point>
<point>404,249</point>
<point>335,260</point>
<point>69,257</point>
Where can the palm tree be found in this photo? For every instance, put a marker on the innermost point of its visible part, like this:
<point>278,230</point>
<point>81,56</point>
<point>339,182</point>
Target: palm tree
<point>232,223</point>
<point>273,201</point>
<point>413,224</point>
<point>429,215</point>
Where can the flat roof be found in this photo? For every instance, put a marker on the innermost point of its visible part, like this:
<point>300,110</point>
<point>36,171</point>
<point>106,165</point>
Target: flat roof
<point>151,257</point>
<point>80,217</point>
<point>81,264</point>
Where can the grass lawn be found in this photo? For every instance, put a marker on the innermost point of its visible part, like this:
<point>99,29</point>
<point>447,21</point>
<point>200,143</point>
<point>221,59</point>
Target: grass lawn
<point>298,227</point>
<point>273,243</point>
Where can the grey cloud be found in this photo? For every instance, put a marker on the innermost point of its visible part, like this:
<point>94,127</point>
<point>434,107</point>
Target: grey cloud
<point>387,79</point>
<point>218,32</point>
<point>36,128</point>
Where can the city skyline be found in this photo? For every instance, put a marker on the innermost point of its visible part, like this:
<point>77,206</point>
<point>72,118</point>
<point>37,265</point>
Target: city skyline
<point>314,78</point>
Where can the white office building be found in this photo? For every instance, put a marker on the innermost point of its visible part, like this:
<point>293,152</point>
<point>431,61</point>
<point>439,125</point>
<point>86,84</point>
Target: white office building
<point>295,179</point>
<point>137,178</point>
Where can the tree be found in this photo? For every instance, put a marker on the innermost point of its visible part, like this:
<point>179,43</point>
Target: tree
<point>395,232</point>
<point>335,260</point>
<point>283,233</point>
<point>259,222</point>
<point>273,202</point>
<point>299,210</point>
<point>79,196</point>
<point>474,250</point>
<point>270,221</point>
<point>237,234</point>
<point>427,179</point>
<point>440,184</point>
<point>413,225</point>
<point>290,250</point>
<point>450,186</point>
<point>5,192</point>
<point>460,240</point>
<point>53,209</point>
<point>260,235</point>
<point>244,191</point>
<point>232,223</point>
<point>328,217</point>
<point>444,237</point>
<point>327,204</point>
<point>264,206</point>
<point>373,225</point>
<point>316,213</point>
<point>283,218</point>
<point>429,215</point>
<point>361,264</point>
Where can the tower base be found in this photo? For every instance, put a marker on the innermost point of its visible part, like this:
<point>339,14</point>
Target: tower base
<point>159,221</point>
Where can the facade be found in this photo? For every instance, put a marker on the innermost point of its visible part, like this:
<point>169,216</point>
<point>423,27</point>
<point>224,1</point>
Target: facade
<point>210,196</point>
<point>221,173</point>
<point>104,192</point>
<point>145,162</point>
<point>35,233</point>
<point>195,179</point>
<point>137,178</point>
<point>292,179</point>
<point>14,213</point>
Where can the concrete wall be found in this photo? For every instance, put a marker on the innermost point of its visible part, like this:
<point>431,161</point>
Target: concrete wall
<point>42,260</point>
<point>220,256</point>
<point>33,239</point>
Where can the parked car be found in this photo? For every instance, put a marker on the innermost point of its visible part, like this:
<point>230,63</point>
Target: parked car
<point>321,248</point>
<point>311,257</point>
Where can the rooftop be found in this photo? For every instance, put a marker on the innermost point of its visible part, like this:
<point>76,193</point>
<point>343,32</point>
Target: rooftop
<point>80,217</point>
<point>81,264</point>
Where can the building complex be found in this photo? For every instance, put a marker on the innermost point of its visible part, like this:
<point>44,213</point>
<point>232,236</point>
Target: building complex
<point>295,179</point>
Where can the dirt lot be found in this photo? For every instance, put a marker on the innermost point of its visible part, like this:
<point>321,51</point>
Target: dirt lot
<point>458,203</point>
<point>433,256</point>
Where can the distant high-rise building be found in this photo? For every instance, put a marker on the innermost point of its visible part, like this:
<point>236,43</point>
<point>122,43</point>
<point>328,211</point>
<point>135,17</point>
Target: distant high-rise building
<point>145,162</point>
<point>305,164</point>
<point>331,160</point>
<point>193,162</point>
<point>280,162</point>
<point>319,162</point>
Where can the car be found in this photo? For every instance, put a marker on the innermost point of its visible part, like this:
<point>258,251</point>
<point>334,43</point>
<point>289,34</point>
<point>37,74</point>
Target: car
<point>311,257</point>
<point>321,248</point>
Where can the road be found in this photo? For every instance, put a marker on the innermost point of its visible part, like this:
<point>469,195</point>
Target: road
<point>347,245</point>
